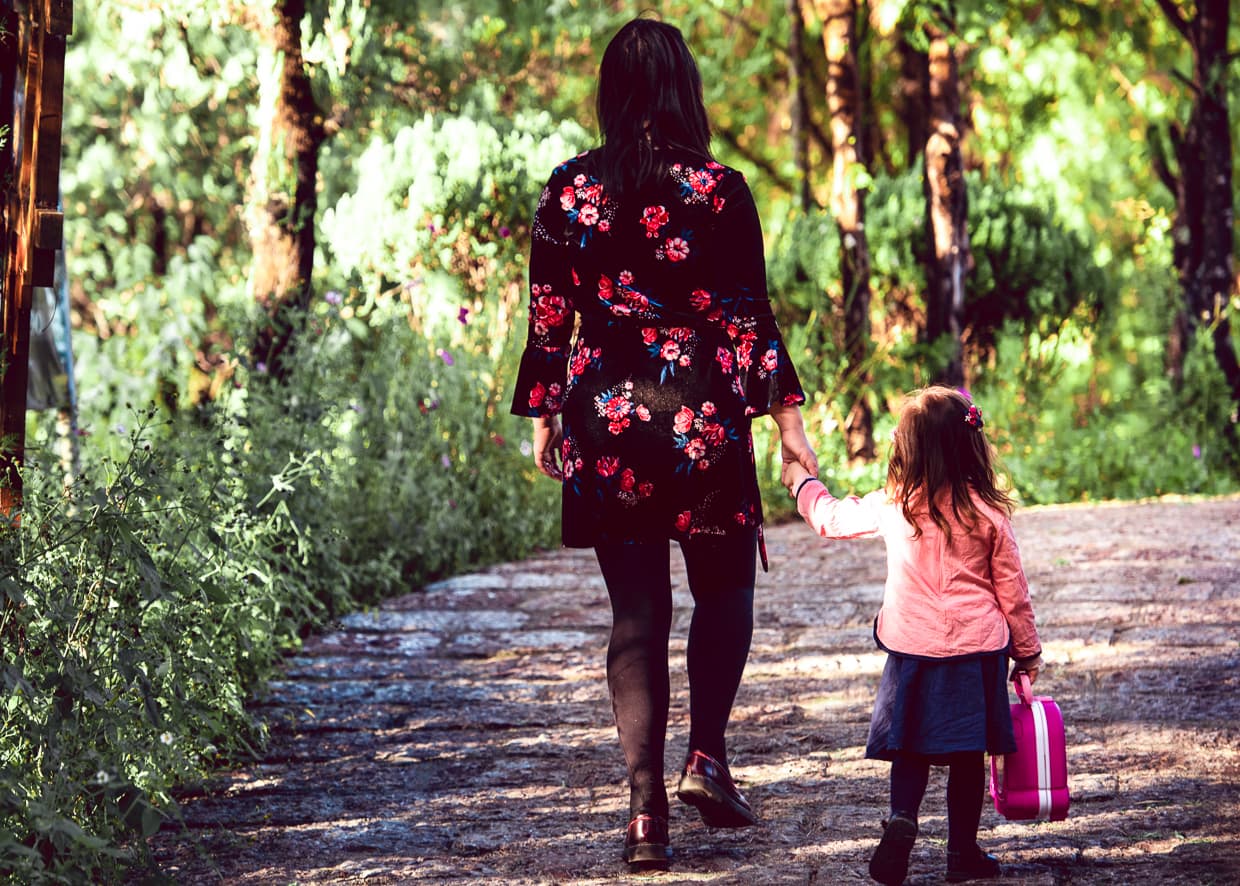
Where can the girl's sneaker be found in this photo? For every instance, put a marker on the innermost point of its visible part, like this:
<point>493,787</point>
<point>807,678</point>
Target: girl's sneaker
<point>889,864</point>
<point>972,864</point>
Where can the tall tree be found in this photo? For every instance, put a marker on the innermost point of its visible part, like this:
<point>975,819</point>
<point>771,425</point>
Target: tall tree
<point>799,136</point>
<point>283,199</point>
<point>1202,184</point>
<point>947,202</point>
<point>839,35</point>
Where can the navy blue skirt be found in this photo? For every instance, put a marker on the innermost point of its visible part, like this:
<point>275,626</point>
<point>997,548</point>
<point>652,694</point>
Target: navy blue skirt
<point>938,707</point>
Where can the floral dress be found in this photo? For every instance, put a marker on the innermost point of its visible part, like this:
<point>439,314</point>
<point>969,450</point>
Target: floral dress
<point>676,349</point>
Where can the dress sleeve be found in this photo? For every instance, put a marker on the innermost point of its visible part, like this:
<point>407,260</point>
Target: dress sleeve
<point>1012,592</point>
<point>839,518</point>
<point>543,372</point>
<point>766,374</point>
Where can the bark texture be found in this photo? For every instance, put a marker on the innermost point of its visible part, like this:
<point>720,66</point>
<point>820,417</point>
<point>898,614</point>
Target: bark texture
<point>1202,184</point>
<point>283,199</point>
<point>839,36</point>
<point>947,209</point>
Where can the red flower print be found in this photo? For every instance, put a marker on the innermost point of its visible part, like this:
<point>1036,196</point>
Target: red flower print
<point>604,226</point>
<point>568,199</point>
<point>638,301</point>
<point>592,193</point>
<point>607,465</point>
<point>579,179</point>
<point>654,217</point>
<point>649,334</point>
<point>550,310</point>
<point>605,288</point>
<point>770,360</point>
<point>682,521</point>
<point>588,214</point>
<point>695,448</point>
<point>576,279</point>
<point>617,408</point>
<point>702,181</point>
<point>670,350</point>
<point>537,395</point>
<point>713,433</point>
<point>733,331</point>
<point>743,352</point>
<point>677,249</point>
<point>680,333</point>
<point>617,427</point>
<point>645,489</point>
<point>708,408</point>
<point>684,360</point>
<point>714,164</point>
<point>643,413</point>
<point>717,204</point>
<point>792,399</point>
<point>724,356</point>
<point>700,299</point>
<point>626,277</point>
<point>628,480</point>
<point>683,420</point>
<point>553,392</point>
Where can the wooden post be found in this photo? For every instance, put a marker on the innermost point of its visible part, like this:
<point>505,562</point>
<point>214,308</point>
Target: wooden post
<point>31,223</point>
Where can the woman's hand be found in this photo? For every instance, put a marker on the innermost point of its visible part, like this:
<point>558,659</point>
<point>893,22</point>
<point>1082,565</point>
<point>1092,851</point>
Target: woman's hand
<point>548,438</point>
<point>793,475</point>
<point>794,445</point>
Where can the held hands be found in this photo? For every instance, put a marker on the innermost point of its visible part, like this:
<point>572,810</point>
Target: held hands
<point>793,475</point>
<point>799,459</point>
<point>548,437</point>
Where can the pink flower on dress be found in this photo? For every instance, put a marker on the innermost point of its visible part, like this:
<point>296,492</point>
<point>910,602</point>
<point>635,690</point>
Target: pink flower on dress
<point>588,214</point>
<point>717,205</point>
<point>724,356</point>
<point>617,427</point>
<point>568,199</point>
<point>628,480</point>
<point>743,355</point>
<point>670,350</point>
<point>677,249</point>
<point>683,420</point>
<point>649,334</point>
<point>770,360</point>
<point>695,448</point>
<point>713,433</point>
<point>643,413</point>
<point>537,394</point>
<point>645,489</point>
<point>701,181</point>
<point>607,465</point>
<point>708,408</point>
<point>700,300</point>
<point>604,226</point>
<point>579,180</point>
<point>654,217</point>
<point>617,408</point>
<point>626,278</point>
<point>682,521</point>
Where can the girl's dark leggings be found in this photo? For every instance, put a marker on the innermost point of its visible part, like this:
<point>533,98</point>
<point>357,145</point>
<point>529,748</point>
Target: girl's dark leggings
<point>638,576</point>
<point>966,779</point>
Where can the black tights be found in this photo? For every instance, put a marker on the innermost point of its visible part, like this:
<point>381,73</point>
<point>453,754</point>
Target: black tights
<point>721,578</point>
<point>966,778</point>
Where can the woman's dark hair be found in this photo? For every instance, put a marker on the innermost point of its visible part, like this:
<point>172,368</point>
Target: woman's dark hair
<point>937,447</point>
<point>649,99</point>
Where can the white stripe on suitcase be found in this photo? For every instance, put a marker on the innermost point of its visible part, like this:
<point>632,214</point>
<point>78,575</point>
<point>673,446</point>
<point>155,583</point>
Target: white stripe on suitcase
<point>1043,745</point>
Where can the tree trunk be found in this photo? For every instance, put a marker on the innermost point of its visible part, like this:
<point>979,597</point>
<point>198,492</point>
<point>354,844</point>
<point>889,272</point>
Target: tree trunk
<point>796,87</point>
<point>848,206</point>
<point>283,200</point>
<point>947,210</point>
<point>1204,236</point>
<point>913,104</point>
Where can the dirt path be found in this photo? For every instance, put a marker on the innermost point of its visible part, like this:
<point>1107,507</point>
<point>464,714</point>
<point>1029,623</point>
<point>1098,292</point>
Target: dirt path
<point>463,732</point>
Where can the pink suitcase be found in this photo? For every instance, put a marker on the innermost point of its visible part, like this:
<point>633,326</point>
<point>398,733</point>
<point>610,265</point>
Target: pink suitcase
<point>1033,782</point>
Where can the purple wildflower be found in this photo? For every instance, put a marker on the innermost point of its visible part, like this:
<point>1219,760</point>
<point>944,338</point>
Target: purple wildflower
<point>445,461</point>
<point>333,298</point>
<point>445,357</point>
<point>1196,451</point>
<point>260,366</point>
<point>505,232</point>
<point>463,316</point>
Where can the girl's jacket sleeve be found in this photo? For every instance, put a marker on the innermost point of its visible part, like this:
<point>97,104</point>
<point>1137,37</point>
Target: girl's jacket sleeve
<point>1012,592</point>
<point>839,518</point>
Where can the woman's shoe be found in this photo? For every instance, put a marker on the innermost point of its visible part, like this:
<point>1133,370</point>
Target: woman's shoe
<point>646,842</point>
<point>706,785</point>
<point>972,864</point>
<point>889,864</point>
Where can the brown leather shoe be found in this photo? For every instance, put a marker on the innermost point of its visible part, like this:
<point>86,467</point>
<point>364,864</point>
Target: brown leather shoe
<point>706,784</point>
<point>646,842</point>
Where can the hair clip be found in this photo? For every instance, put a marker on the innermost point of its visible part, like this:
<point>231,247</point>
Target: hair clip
<point>974,417</point>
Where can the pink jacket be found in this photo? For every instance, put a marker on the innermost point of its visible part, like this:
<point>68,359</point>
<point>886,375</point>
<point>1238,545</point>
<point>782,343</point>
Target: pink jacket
<point>939,601</point>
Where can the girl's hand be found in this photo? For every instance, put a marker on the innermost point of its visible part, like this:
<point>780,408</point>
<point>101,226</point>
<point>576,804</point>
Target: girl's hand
<point>548,438</point>
<point>793,475</point>
<point>1030,667</point>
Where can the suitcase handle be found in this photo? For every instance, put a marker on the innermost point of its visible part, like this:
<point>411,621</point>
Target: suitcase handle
<point>1024,688</point>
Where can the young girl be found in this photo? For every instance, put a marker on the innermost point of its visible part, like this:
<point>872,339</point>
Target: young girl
<point>955,603</point>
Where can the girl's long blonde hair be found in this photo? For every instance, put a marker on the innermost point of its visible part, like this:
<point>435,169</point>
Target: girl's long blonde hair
<point>939,444</point>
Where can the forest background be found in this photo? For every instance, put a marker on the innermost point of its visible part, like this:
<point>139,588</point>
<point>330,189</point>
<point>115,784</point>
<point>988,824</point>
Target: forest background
<point>295,239</point>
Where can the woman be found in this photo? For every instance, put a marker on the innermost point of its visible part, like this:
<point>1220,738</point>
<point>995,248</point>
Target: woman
<point>657,249</point>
